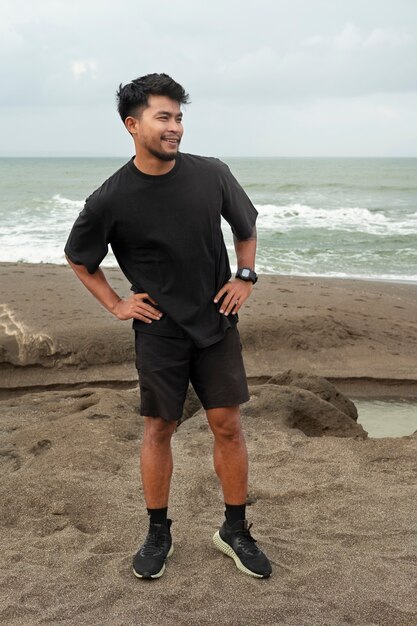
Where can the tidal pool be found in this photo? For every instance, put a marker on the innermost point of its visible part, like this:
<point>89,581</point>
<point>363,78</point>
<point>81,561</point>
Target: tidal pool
<point>387,418</point>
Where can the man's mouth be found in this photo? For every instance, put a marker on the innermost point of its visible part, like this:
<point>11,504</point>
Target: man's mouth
<point>171,140</point>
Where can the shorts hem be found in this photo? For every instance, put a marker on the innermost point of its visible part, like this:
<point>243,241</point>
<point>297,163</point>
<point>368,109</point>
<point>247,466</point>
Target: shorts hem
<point>150,414</point>
<point>220,405</point>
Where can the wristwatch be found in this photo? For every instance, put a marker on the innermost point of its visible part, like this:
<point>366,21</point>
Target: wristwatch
<point>246,273</point>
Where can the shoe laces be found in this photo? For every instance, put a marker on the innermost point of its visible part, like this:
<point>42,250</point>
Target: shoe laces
<point>246,541</point>
<point>154,540</point>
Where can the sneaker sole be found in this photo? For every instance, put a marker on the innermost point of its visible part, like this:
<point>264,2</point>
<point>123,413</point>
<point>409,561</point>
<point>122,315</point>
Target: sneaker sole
<point>228,550</point>
<point>158,574</point>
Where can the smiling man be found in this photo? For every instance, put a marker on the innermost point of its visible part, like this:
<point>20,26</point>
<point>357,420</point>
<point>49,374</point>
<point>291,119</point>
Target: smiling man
<point>161,213</point>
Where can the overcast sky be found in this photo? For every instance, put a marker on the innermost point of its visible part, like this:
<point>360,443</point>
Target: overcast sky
<point>266,77</point>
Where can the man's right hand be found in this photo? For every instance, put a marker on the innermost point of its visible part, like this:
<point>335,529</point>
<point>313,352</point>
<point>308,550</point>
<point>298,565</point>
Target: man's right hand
<point>134,307</point>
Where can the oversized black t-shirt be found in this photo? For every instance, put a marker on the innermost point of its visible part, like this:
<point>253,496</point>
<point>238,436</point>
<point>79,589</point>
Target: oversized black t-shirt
<point>165,232</point>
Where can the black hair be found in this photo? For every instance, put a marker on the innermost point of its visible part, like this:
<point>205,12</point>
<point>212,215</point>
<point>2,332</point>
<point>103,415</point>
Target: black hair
<point>135,94</point>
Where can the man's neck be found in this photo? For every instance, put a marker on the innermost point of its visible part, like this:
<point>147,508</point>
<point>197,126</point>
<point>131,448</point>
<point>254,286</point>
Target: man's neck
<point>153,166</point>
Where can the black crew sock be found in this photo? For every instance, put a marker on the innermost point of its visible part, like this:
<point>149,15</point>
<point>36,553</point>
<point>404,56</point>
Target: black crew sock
<point>235,512</point>
<point>158,516</point>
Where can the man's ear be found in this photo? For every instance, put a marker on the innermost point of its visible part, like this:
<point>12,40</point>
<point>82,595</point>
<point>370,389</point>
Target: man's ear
<point>131,124</point>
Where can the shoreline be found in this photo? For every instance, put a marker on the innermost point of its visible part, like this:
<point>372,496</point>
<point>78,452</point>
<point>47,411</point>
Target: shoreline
<point>371,279</point>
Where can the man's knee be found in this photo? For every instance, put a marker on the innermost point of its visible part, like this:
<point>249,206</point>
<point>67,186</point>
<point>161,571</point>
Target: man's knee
<point>157,430</point>
<point>225,423</point>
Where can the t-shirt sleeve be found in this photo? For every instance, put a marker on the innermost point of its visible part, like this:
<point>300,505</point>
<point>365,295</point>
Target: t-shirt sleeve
<point>88,241</point>
<point>237,208</point>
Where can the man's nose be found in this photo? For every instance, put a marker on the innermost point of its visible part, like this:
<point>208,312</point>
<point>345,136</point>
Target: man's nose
<point>175,126</point>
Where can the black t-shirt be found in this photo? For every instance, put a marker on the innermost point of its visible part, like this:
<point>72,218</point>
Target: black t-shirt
<point>165,232</point>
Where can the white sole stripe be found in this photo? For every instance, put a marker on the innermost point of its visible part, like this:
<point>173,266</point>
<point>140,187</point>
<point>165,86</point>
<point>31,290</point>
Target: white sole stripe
<point>228,550</point>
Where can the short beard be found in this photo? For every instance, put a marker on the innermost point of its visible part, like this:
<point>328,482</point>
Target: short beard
<point>162,156</point>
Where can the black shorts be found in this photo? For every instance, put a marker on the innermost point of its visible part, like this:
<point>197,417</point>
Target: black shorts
<point>166,365</point>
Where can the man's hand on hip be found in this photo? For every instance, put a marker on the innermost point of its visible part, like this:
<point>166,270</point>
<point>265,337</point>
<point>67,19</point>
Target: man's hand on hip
<point>237,291</point>
<point>134,307</point>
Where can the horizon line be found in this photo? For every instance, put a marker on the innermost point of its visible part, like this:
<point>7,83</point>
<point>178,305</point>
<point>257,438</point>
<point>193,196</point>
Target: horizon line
<point>229,156</point>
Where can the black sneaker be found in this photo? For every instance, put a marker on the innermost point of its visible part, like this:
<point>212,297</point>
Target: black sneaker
<point>149,561</point>
<point>237,542</point>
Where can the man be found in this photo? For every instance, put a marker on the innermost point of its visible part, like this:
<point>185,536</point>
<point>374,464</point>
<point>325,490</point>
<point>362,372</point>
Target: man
<point>161,214</point>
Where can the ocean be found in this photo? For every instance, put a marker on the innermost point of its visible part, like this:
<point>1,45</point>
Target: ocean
<point>339,217</point>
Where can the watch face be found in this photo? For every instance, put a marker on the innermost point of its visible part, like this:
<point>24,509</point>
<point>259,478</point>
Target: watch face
<point>246,273</point>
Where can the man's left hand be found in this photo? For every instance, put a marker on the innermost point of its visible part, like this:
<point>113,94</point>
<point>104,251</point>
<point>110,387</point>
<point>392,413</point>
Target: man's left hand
<point>237,291</point>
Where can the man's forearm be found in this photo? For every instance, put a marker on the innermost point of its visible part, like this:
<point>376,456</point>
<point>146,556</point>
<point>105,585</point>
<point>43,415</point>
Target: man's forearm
<point>97,284</point>
<point>239,290</point>
<point>246,250</point>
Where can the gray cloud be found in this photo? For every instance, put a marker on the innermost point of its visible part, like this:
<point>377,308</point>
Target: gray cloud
<point>263,77</point>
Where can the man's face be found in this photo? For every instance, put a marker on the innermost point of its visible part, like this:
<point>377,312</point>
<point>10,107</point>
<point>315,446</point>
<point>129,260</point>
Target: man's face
<point>158,130</point>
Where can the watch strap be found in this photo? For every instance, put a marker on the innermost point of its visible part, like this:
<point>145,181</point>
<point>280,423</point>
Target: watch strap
<point>247,274</point>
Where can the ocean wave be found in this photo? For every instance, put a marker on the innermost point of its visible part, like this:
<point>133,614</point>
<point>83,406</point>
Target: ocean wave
<point>296,239</point>
<point>61,201</point>
<point>354,219</point>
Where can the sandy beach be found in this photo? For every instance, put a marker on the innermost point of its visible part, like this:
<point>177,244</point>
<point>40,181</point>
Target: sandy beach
<point>334,509</point>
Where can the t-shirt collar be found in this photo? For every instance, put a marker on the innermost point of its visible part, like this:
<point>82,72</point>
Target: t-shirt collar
<point>152,177</point>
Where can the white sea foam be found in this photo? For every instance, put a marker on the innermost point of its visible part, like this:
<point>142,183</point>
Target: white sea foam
<point>66,202</point>
<point>38,234</point>
<point>354,219</point>
<point>366,276</point>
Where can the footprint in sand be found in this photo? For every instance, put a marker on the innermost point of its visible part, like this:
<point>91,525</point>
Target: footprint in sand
<point>98,416</point>
<point>41,446</point>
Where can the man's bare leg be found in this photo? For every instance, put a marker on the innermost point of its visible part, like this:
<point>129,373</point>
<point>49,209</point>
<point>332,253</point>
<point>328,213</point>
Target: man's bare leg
<point>230,453</point>
<point>156,462</point>
<point>231,465</point>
